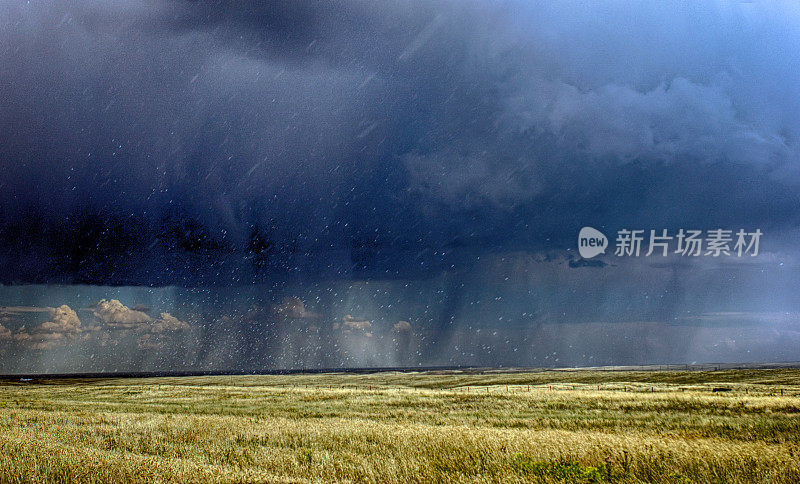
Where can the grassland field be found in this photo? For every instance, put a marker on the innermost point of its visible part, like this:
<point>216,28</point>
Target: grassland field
<point>525,426</point>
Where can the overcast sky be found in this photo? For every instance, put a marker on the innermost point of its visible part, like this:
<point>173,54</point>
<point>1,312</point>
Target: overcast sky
<point>448,153</point>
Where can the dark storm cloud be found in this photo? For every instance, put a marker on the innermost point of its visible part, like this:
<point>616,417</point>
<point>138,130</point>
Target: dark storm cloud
<point>215,143</point>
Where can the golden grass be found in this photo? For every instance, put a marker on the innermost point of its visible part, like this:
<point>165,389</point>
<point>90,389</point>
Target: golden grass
<point>581,426</point>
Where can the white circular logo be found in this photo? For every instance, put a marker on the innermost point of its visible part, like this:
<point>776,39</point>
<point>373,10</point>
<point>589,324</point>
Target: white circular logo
<point>591,242</point>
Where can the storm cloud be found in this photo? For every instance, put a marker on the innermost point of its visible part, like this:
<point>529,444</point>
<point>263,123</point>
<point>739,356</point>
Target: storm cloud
<point>200,143</point>
<point>357,183</point>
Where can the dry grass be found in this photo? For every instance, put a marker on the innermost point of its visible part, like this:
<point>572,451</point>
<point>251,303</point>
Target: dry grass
<point>590,426</point>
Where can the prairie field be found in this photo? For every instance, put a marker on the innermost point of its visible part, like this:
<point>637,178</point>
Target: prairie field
<point>738,426</point>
